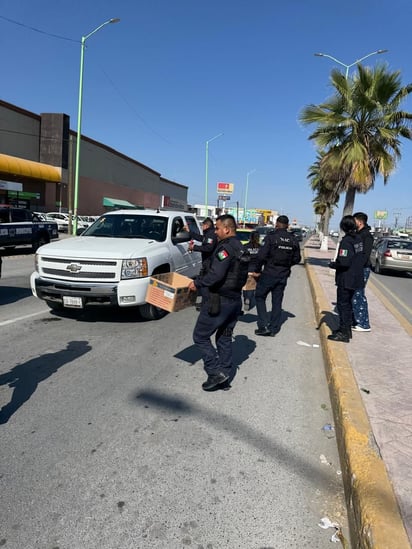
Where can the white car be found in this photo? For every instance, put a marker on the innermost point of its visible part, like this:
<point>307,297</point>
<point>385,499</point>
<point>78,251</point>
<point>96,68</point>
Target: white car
<point>63,219</point>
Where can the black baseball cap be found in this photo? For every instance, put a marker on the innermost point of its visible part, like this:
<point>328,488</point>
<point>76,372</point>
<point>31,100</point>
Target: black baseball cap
<point>283,219</point>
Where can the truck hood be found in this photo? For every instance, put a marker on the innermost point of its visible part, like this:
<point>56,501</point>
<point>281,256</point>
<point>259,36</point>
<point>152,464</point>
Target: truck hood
<point>100,247</point>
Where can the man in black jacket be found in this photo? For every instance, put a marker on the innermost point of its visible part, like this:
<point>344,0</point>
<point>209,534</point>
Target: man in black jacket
<point>279,252</point>
<point>221,305</point>
<point>359,301</point>
<point>208,239</point>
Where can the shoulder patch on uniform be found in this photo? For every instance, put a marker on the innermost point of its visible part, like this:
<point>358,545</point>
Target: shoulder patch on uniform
<point>222,255</point>
<point>209,241</point>
<point>343,253</point>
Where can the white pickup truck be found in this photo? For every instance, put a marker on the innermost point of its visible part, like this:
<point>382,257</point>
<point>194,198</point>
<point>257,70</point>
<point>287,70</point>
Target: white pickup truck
<point>111,262</point>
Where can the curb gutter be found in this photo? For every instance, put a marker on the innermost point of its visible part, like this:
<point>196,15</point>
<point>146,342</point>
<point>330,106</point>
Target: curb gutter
<point>374,518</point>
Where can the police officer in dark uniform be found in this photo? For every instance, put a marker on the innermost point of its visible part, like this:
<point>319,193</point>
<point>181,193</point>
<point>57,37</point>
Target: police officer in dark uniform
<point>279,252</point>
<point>221,304</point>
<point>349,276</point>
<point>208,239</point>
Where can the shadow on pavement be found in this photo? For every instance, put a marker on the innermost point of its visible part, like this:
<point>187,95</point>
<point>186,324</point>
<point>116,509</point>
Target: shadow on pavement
<point>232,427</point>
<point>10,294</point>
<point>24,378</point>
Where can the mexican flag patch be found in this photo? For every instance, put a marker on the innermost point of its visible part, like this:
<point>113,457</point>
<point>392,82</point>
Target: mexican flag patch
<point>222,255</point>
<point>343,253</point>
<point>210,241</point>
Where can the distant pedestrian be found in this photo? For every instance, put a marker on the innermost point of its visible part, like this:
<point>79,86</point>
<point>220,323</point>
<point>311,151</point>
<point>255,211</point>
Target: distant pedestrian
<point>252,247</point>
<point>348,278</point>
<point>221,288</point>
<point>208,239</point>
<point>280,251</point>
<point>359,301</point>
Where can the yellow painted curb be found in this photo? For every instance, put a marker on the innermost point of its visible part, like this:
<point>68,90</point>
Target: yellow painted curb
<point>374,518</point>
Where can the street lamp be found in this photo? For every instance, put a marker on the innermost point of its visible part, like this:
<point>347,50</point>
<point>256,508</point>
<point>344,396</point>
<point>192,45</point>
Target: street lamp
<point>377,52</point>
<point>79,119</point>
<point>207,168</point>
<point>246,191</point>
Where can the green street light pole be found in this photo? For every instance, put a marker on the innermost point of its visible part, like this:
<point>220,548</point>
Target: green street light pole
<point>377,52</point>
<point>246,191</point>
<point>207,170</point>
<point>79,120</point>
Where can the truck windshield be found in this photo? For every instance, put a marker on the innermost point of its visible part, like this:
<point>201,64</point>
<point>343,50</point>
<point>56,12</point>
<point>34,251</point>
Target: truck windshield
<point>129,226</point>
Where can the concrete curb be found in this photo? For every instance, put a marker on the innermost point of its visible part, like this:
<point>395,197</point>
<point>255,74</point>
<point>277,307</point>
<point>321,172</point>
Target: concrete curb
<point>374,518</point>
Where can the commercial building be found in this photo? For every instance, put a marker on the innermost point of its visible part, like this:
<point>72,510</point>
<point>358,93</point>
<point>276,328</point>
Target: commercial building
<point>37,159</point>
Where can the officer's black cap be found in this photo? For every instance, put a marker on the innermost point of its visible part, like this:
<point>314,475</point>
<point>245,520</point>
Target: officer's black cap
<point>283,219</point>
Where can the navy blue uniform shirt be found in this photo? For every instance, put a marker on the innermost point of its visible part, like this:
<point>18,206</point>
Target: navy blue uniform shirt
<point>218,270</point>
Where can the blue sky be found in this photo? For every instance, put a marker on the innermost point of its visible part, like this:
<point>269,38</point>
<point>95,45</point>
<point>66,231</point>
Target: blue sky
<point>175,73</point>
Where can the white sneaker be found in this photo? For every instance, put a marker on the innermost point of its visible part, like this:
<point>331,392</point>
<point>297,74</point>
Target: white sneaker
<point>358,328</point>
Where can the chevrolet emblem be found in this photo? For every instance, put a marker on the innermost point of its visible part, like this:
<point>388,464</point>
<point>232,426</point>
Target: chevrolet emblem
<point>74,267</point>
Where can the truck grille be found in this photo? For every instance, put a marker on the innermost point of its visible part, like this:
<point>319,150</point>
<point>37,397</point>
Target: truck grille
<point>80,269</point>
<point>80,274</point>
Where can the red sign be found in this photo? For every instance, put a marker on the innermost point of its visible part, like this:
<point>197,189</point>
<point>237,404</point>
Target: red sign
<point>225,188</point>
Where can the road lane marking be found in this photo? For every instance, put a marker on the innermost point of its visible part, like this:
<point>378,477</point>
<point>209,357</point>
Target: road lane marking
<point>395,297</point>
<point>404,322</point>
<point>25,317</point>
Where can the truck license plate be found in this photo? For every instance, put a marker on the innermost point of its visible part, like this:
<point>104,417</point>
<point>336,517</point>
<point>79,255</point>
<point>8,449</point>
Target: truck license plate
<point>70,301</point>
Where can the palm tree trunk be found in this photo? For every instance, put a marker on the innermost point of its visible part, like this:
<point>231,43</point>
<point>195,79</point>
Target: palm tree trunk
<point>325,237</point>
<point>349,201</point>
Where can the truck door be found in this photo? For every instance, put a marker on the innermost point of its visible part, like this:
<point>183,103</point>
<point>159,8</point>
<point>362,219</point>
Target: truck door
<point>23,229</point>
<point>195,258</point>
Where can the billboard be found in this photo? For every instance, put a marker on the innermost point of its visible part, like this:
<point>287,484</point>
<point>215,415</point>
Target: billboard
<point>381,214</point>
<point>225,188</point>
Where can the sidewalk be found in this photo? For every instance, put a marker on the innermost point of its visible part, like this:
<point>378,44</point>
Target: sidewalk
<point>370,383</point>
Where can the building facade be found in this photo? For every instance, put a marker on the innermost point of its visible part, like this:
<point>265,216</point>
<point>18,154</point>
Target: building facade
<point>37,159</point>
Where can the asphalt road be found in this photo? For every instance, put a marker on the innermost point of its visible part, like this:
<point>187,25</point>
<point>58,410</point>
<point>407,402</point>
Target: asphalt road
<point>397,287</point>
<point>108,440</point>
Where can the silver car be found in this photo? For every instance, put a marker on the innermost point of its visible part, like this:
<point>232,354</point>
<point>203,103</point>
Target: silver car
<point>391,254</point>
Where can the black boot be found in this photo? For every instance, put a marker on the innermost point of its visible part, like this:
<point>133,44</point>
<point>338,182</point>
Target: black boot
<point>334,332</point>
<point>343,334</point>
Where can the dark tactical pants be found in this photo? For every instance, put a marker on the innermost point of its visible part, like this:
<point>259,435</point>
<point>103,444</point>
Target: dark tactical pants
<point>344,306</point>
<point>217,359</point>
<point>276,286</point>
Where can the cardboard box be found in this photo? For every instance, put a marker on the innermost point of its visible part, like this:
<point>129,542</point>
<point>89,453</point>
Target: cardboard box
<point>170,292</point>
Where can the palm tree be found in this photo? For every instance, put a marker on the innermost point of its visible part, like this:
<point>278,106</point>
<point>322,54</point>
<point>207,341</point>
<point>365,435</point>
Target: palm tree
<point>360,127</point>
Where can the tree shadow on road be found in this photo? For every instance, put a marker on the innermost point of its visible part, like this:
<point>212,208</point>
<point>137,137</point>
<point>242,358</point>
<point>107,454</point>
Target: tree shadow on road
<point>243,347</point>
<point>24,378</point>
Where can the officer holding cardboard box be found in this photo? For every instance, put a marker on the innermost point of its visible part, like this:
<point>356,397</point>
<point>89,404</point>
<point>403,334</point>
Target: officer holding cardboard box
<point>220,284</point>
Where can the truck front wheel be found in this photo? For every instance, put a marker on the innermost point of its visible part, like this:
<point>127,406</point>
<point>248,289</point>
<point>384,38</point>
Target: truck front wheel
<point>150,312</point>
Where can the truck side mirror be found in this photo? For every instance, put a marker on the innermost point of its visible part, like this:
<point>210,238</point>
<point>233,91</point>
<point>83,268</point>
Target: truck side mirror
<point>181,236</point>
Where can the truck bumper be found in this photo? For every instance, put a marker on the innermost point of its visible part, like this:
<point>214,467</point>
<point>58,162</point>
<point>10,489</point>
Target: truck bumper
<point>126,293</point>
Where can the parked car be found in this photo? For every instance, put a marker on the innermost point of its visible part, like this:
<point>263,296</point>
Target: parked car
<point>263,231</point>
<point>62,220</point>
<point>391,254</point>
<point>243,235</point>
<point>297,232</point>
<point>20,227</point>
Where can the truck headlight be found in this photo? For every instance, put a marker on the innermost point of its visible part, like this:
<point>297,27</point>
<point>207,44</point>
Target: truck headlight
<point>36,262</point>
<point>134,268</point>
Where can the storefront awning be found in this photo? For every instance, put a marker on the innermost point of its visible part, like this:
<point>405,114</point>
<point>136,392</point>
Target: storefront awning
<point>117,203</point>
<point>12,165</point>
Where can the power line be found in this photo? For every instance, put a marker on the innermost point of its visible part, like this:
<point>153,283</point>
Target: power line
<point>38,30</point>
